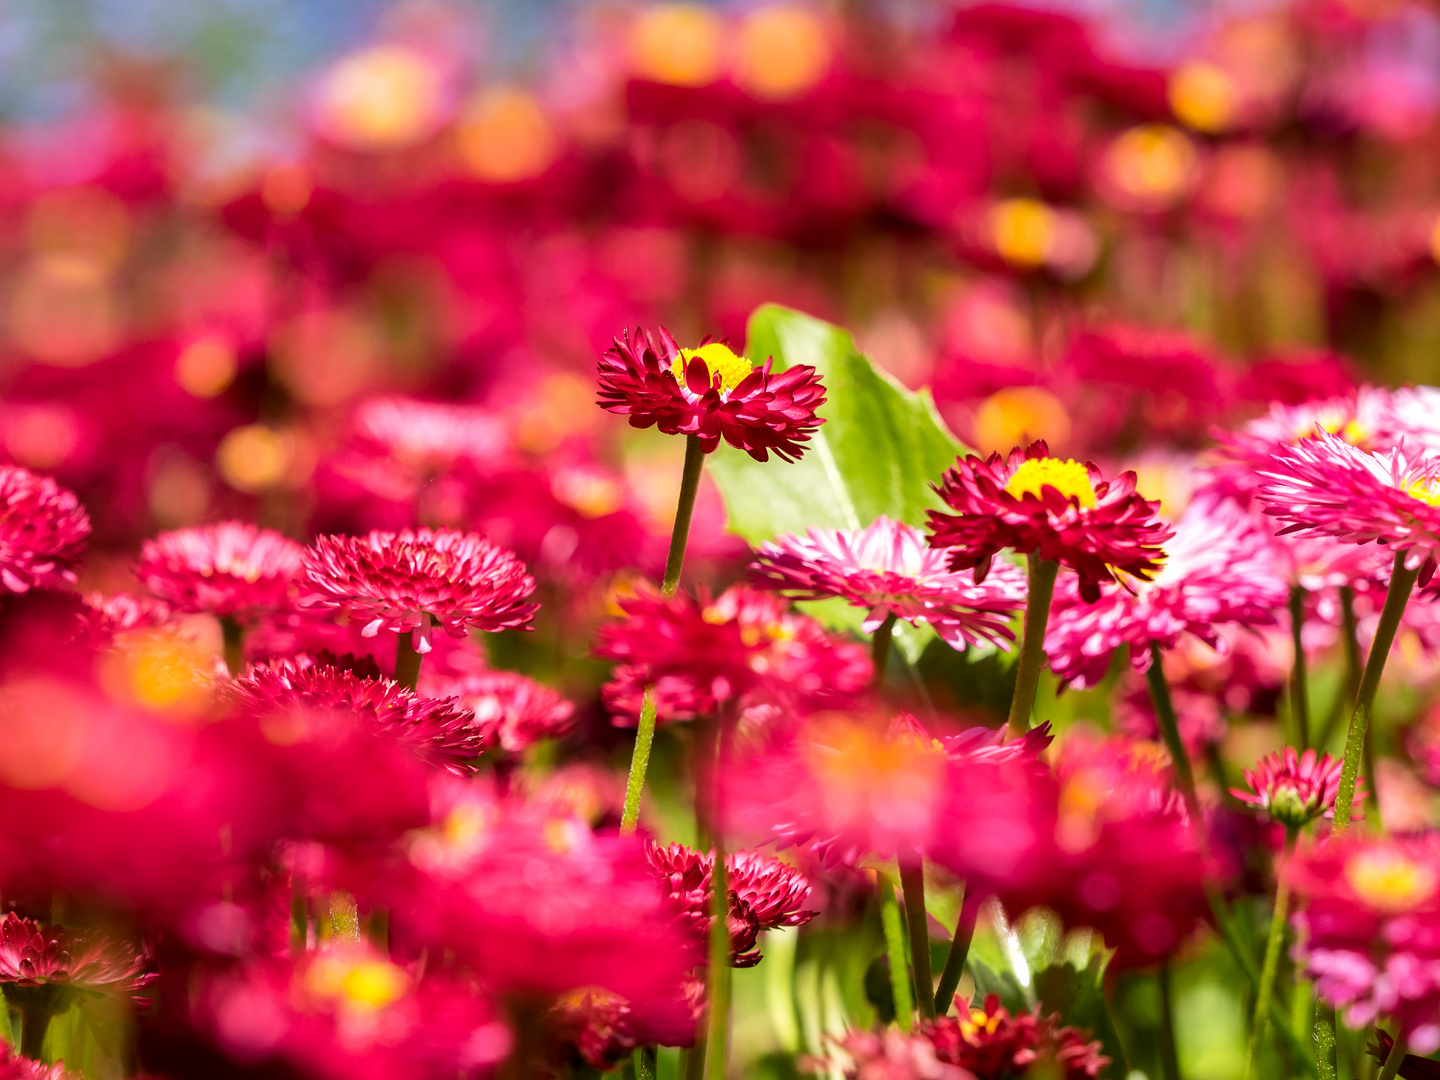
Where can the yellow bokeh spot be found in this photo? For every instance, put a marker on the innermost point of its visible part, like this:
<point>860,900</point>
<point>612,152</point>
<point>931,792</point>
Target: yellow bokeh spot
<point>719,360</point>
<point>1388,880</point>
<point>678,44</point>
<point>1017,415</point>
<point>357,981</point>
<point>1435,240</point>
<point>1203,97</point>
<point>206,366</point>
<point>505,136</point>
<point>383,98</point>
<point>1067,476</point>
<point>253,457</point>
<point>64,311</point>
<point>286,189</point>
<point>1023,231</point>
<point>1153,163</point>
<point>588,491</point>
<point>783,52</point>
<point>165,671</point>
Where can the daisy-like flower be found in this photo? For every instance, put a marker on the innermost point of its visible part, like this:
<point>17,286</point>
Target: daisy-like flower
<point>439,730</point>
<point>888,568</point>
<point>15,1067</point>
<point>43,529</point>
<point>1325,486</point>
<point>711,393</point>
<point>400,581</point>
<point>990,1042</point>
<point>428,435</point>
<point>1059,508</point>
<point>1218,569</point>
<point>54,964</point>
<point>1294,789</point>
<point>232,568</point>
<point>894,1055</point>
<point>510,708</point>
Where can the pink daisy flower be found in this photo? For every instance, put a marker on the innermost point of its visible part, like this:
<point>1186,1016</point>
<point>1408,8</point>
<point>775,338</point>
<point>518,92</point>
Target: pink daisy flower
<point>439,730</point>
<point>1060,508</point>
<point>430,435</point>
<point>43,529</point>
<point>1294,789</point>
<point>1219,568</point>
<point>510,708</point>
<point>888,568</point>
<point>1325,486</point>
<point>400,581</point>
<point>711,393</point>
<point>232,568</point>
<point>57,962</point>
<point>15,1067</point>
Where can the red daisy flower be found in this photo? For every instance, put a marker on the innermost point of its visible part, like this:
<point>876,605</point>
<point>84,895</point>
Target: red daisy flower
<point>1325,486</point>
<point>15,1067</point>
<point>232,568</point>
<point>400,581</point>
<point>991,1042</point>
<point>43,529</point>
<point>1060,508</point>
<point>510,708</point>
<point>439,730</point>
<point>1294,789</point>
<point>711,393</point>
<point>887,568</point>
<point>58,963</point>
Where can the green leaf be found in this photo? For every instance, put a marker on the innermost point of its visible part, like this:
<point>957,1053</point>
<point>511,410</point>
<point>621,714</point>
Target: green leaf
<point>1078,995</point>
<point>1002,984</point>
<point>880,449</point>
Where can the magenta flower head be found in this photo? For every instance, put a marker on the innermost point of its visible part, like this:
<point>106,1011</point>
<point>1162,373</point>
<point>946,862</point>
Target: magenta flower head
<point>510,708</point>
<point>888,568</point>
<point>711,393</point>
<point>1294,789</point>
<point>439,730</point>
<point>400,581</point>
<point>1325,486</point>
<point>232,568</point>
<point>50,966</point>
<point>1218,569</point>
<point>43,529</point>
<point>1060,508</point>
<point>15,1067</point>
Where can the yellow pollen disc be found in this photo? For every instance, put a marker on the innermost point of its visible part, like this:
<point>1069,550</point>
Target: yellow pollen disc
<point>1388,880</point>
<point>719,360</point>
<point>1066,476</point>
<point>1427,491</point>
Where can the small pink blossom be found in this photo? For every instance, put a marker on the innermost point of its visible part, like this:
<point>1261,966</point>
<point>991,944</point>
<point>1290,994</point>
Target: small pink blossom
<point>43,529</point>
<point>232,568</point>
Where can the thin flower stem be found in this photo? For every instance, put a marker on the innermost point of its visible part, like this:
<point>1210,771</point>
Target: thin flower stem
<point>1266,990</point>
<point>955,958</point>
<point>880,647</point>
<point>646,1063</point>
<point>1393,1060</point>
<point>718,1045</point>
<point>407,661</point>
<point>233,636</point>
<point>895,950</point>
<point>1402,581</point>
<point>1032,643</point>
<point>299,914</point>
<point>34,1023</point>
<point>1326,1067</point>
<point>1169,1059</point>
<point>674,563</point>
<point>912,886</point>
<point>1299,683</point>
<point>1170,732</point>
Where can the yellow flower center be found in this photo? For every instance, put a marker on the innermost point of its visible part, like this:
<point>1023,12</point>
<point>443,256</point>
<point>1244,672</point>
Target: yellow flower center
<point>1426,490</point>
<point>719,360</point>
<point>1068,477</point>
<point>1388,880</point>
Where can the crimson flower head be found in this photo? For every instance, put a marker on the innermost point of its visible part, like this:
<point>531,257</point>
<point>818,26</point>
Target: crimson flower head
<point>15,1067</point>
<point>1294,789</point>
<point>43,529</point>
<point>510,708</point>
<point>1060,508</point>
<point>439,730</point>
<point>51,964</point>
<point>399,581</point>
<point>887,568</point>
<point>711,393</point>
<point>1325,486</point>
<point>232,568</point>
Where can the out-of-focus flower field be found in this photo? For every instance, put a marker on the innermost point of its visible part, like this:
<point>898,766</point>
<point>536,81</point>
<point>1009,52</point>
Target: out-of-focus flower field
<point>882,543</point>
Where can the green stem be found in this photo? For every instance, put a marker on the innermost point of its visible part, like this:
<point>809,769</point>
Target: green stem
<point>299,914</point>
<point>1351,638</point>
<point>1325,1061</point>
<point>955,958</point>
<point>1272,955</point>
<point>880,647</point>
<point>895,950</point>
<point>1393,1059</point>
<point>233,636</point>
<point>407,660</point>
<point>646,1063</point>
<point>1402,581</point>
<point>674,563</point>
<point>1032,642</point>
<point>1169,1059</point>
<point>715,1051</point>
<point>692,1060</point>
<point>1170,732</point>
<point>34,1023</point>
<point>912,887</point>
<point>1299,684</point>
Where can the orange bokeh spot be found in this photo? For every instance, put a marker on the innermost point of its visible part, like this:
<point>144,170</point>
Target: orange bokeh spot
<point>505,136</point>
<point>1023,231</point>
<point>41,436</point>
<point>162,671</point>
<point>206,366</point>
<point>783,52</point>
<point>286,188</point>
<point>254,457</point>
<point>1018,415</point>
<point>678,44</point>
<point>87,223</point>
<point>64,310</point>
<point>1150,167</point>
<point>384,98</point>
<point>1203,97</point>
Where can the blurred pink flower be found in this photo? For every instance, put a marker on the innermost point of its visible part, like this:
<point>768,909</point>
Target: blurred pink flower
<point>232,568</point>
<point>510,708</point>
<point>43,529</point>
<point>67,963</point>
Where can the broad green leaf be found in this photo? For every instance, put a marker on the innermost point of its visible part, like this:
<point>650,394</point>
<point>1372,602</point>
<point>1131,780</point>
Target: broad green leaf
<point>880,449</point>
<point>1078,995</point>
